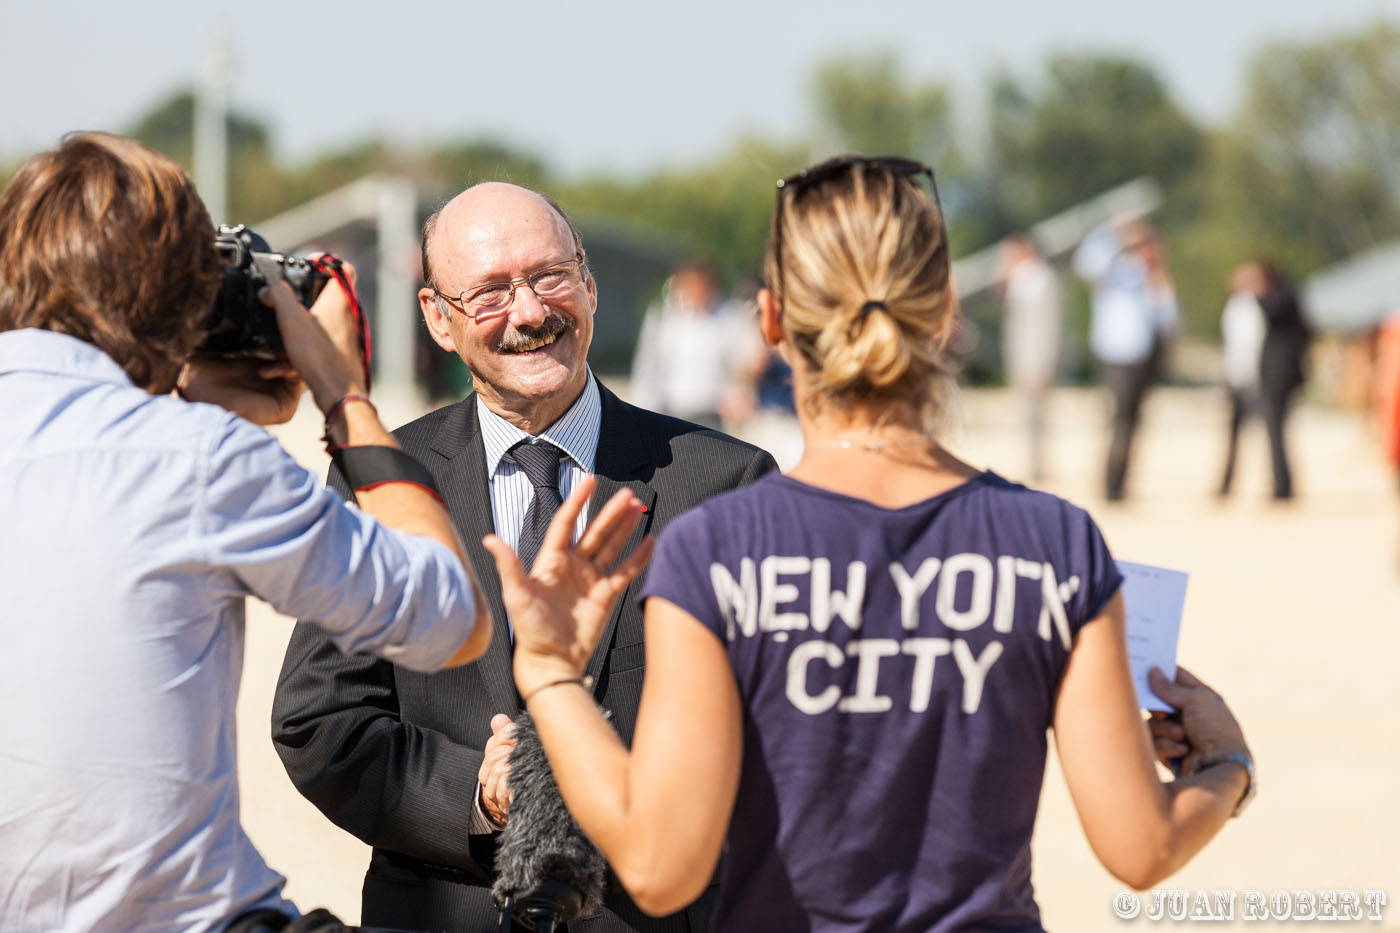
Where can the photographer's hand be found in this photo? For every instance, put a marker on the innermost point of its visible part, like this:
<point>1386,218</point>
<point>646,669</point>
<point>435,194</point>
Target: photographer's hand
<point>255,390</point>
<point>323,345</point>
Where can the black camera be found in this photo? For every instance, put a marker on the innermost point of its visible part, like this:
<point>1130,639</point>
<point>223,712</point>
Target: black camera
<point>239,324</point>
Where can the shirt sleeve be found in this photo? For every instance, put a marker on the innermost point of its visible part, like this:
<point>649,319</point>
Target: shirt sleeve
<point>283,537</point>
<point>1096,253</point>
<point>1100,578</point>
<point>685,568</point>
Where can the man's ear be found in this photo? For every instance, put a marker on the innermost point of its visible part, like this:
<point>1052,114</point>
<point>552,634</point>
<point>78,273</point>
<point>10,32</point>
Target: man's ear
<point>438,324</point>
<point>591,286</point>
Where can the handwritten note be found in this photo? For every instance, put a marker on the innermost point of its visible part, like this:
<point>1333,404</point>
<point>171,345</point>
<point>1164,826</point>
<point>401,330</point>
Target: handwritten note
<point>1154,598</point>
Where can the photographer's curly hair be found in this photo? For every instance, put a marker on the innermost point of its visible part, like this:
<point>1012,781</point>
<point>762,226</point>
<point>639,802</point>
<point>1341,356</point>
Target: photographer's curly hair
<point>104,240</point>
<point>864,291</point>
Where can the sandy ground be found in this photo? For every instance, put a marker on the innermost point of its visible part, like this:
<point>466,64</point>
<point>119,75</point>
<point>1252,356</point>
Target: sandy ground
<point>1293,613</point>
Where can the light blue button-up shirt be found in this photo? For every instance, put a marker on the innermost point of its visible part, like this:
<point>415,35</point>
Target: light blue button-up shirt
<point>131,529</point>
<point>1130,312</point>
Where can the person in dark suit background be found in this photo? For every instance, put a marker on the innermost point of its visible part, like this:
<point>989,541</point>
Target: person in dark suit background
<point>416,766</point>
<point>1281,360</point>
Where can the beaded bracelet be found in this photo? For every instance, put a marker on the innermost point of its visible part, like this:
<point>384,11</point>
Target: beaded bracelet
<point>332,446</point>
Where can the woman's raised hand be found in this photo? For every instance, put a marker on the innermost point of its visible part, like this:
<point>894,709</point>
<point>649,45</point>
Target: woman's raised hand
<point>560,608</point>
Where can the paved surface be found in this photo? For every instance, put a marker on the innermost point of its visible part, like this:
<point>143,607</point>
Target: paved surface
<point>1293,613</point>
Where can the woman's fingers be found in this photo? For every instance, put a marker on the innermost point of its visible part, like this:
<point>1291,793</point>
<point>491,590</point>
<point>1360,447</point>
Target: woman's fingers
<point>561,527</point>
<point>508,565</point>
<point>607,534</point>
<point>626,571</point>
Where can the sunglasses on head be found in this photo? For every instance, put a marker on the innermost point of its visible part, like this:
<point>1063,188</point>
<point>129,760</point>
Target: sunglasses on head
<point>794,186</point>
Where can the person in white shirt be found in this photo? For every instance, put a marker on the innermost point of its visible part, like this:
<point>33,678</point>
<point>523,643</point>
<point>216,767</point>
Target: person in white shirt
<point>692,351</point>
<point>1030,337</point>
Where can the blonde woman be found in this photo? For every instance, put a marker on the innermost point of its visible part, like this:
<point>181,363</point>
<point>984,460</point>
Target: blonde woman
<point>851,668</point>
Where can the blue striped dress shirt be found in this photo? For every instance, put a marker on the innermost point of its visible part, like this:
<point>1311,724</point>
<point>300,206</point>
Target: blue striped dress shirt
<point>575,433</point>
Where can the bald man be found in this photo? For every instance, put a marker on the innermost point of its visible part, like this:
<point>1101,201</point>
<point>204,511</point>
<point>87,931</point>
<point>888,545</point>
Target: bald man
<point>415,765</point>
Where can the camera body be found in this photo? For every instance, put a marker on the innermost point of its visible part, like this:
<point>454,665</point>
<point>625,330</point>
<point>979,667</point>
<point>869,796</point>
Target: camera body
<point>239,324</point>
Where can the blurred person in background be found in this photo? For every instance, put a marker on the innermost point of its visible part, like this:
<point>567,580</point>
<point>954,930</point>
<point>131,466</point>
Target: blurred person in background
<point>1242,343</point>
<point>1134,317</point>
<point>1282,361</point>
<point>1266,341</point>
<point>417,766</point>
<point>139,510</point>
<point>693,352</point>
<point>1030,336</point>
<point>852,667</point>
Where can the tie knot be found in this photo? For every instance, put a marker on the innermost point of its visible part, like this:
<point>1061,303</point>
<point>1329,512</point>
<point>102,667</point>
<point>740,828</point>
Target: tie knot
<point>539,462</point>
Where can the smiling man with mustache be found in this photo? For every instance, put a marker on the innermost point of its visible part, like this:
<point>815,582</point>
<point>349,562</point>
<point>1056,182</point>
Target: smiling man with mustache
<point>416,766</point>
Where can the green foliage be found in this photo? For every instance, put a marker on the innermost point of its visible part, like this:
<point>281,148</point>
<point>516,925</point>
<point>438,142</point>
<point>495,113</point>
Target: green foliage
<point>255,182</point>
<point>1090,123</point>
<point>1320,141</point>
<point>718,213</point>
<point>866,104</point>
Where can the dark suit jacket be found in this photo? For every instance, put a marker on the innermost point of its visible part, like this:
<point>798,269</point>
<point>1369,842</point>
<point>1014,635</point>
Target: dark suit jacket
<point>392,756</point>
<point>1286,339</point>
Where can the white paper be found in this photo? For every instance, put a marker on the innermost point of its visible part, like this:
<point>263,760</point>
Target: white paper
<point>1154,598</point>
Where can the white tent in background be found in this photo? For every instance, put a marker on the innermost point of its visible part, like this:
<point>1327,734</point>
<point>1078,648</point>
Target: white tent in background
<point>1356,293</point>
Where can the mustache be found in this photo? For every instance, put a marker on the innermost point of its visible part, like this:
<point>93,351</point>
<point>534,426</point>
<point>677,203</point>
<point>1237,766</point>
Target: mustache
<point>515,339</point>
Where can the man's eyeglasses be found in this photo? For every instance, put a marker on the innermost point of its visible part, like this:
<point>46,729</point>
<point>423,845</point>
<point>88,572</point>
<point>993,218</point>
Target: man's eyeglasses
<point>794,186</point>
<point>552,282</point>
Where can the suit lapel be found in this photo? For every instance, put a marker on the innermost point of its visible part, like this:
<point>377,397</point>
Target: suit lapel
<point>462,478</point>
<point>620,462</point>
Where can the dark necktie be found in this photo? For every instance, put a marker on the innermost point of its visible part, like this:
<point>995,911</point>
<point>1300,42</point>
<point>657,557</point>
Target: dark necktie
<point>540,463</point>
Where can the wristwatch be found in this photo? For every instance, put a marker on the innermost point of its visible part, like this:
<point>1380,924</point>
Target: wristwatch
<point>1244,762</point>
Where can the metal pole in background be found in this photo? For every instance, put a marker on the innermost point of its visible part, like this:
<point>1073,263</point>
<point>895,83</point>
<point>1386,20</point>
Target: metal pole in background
<point>211,128</point>
<point>396,305</point>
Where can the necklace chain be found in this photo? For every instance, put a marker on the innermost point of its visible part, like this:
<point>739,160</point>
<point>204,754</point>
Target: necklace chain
<point>846,443</point>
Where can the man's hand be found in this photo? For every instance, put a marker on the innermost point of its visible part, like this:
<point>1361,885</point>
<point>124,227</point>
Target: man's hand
<point>256,390</point>
<point>495,769</point>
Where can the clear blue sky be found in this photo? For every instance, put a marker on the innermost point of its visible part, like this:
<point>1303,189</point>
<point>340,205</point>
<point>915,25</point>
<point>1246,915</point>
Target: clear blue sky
<point>623,86</point>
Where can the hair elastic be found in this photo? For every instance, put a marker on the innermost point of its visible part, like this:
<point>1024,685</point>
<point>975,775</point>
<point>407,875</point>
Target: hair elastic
<point>863,313</point>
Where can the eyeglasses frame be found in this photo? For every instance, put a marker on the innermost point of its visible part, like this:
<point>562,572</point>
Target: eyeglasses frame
<point>460,303</point>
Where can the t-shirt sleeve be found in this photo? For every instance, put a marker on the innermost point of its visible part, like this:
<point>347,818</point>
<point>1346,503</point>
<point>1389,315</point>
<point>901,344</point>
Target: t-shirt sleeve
<point>277,533</point>
<point>1098,571</point>
<point>681,570</point>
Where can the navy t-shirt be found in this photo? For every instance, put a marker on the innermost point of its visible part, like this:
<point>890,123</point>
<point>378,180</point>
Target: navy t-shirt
<point>898,671</point>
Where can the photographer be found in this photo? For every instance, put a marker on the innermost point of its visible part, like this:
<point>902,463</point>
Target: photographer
<point>135,523</point>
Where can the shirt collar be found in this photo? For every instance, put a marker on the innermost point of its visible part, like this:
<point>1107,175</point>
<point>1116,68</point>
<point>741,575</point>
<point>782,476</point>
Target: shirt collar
<point>44,351</point>
<point>575,433</point>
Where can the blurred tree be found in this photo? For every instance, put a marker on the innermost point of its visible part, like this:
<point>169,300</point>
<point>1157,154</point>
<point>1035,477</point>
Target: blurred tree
<point>866,104</point>
<point>466,163</point>
<point>1319,142</point>
<point>1090,123</point>
<point>256,184</point>
<point>718,212</point>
